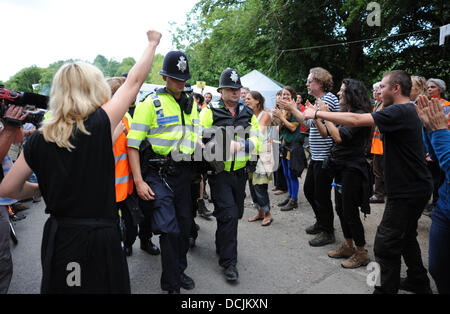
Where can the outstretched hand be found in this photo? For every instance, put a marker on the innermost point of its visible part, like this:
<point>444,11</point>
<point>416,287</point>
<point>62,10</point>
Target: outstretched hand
<point>431,113</point>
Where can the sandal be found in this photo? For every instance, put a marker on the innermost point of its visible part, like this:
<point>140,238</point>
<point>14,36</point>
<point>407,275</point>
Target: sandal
<point>256,218</point>
<point>266,222</point>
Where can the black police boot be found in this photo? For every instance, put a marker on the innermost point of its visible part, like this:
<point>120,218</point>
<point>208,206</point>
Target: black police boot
<point>285,202</point>
<point>202,210</point>
<point>323,238</point>
<point>231,273</point>
<point>173,292</point>
<point>406,285</point>
<point>314,229</point>
<point>149,247</point>
<point>128,250</point>
<point>187,282</point>
<point>290,205</point>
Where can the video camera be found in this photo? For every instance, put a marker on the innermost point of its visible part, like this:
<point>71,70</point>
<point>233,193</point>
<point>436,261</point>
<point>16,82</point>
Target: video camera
<point>23,99</point>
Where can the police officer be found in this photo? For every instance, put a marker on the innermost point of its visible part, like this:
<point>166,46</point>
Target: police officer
<point>167,119</point>
<point>228,186</point>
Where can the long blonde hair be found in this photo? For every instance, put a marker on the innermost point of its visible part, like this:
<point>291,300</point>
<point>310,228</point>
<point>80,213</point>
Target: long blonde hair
<point>78,90</point>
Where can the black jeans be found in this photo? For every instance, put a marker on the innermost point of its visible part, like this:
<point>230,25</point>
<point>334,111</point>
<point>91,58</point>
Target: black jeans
<point>397,237</point>
<point>347,205</point>
<point>317,189</point>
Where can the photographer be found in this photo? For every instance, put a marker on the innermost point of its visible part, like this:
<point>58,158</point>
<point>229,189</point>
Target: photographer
<point>8,132</point>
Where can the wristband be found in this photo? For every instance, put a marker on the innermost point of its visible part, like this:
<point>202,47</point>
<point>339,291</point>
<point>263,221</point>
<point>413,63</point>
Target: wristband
<point>315,115</point>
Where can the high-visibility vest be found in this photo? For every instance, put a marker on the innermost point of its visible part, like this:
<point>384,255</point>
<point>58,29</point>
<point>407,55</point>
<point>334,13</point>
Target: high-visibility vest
<point>377,142</point>
<point>124,178</point>
<point>218,115</point>
<point>160,120</point>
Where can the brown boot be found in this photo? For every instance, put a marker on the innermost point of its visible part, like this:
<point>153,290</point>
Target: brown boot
<point>360,258</point>
<point>342,252</point>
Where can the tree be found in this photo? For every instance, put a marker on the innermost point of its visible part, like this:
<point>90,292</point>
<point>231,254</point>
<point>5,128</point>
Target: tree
<point>285,38</point>
<point>23,81</point>
<point>154,77</point>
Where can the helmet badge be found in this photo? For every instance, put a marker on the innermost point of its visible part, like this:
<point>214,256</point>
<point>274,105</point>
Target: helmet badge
<point>182,64</point>
<point>234,77</point>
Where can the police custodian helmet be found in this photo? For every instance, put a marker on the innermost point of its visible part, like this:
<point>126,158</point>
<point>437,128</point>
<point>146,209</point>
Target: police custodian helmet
<point>229,79</point>
<point>176,66</point>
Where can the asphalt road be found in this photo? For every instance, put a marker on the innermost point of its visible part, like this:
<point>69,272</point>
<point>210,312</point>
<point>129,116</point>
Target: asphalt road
<point>272,260</point>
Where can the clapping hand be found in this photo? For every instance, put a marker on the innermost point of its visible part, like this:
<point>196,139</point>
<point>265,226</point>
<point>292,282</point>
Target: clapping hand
<point>431,113</point>
<point>287,105</point>
<point>323,106</point>
<point>310,111</point>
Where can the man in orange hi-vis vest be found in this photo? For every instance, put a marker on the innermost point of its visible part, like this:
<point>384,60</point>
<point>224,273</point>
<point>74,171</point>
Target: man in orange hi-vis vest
<point>377,151</point>
<point>125,184</point>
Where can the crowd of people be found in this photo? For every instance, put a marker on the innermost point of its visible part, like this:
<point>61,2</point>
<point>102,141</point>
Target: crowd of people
<point>98,159</point>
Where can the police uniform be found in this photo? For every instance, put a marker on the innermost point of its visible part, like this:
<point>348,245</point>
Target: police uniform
<point>228,186</point>
<point>169,126</point>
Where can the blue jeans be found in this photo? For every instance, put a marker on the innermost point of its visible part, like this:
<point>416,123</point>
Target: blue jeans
<point>260,196</point>
<point>291,180</point>
<point>439,251</point>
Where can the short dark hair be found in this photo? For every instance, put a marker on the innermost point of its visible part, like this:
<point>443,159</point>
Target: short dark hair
<point>402,78</point>
<point>208,94</point>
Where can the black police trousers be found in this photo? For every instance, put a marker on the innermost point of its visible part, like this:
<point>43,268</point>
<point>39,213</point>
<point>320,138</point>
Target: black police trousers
<point>172,220</point>
<point>397,237</point>
<point>228,194</point>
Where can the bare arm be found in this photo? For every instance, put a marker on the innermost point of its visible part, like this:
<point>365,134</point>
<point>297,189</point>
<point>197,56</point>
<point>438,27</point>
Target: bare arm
<point>14,185</point>
<point>116,107</point>
<point>342,118</point>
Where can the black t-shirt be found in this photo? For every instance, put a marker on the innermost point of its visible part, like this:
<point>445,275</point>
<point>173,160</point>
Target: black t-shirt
<point>80,183</point>
<point>405,170</point>
<point>353,145</point>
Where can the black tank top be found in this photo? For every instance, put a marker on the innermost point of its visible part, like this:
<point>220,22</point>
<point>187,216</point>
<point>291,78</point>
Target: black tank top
<point>80,183</point>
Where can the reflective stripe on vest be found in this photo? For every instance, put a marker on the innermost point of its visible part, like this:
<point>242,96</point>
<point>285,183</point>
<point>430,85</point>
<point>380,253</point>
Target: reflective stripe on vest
<point>123,181</point>
<point>377,144</point>
<point>168,132</point>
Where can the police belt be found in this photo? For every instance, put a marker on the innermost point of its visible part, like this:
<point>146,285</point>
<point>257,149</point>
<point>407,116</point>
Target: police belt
<point>165,165</point>
<point>50,229</point>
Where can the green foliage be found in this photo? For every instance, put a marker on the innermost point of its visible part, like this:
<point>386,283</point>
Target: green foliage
<point>265,35</point>
<point>24,79</point>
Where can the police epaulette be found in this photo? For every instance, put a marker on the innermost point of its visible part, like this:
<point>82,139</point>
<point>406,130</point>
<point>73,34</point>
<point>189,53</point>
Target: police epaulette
<point>156,101</point>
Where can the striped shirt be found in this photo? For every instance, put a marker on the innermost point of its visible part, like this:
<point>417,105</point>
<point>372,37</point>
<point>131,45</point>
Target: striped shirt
<point>321,147</point>
<point>7,165</point>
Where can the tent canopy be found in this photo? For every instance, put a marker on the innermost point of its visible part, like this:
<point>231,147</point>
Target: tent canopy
<point>268,87</point>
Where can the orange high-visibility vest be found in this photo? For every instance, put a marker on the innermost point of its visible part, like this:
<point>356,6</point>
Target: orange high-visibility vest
<point>124,178</point>
<point>377,142</point>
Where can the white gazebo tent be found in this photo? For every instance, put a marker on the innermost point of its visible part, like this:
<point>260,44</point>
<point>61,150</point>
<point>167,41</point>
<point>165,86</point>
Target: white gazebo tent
<point>268,87</point>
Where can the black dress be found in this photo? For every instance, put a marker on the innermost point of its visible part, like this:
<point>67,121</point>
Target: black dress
<point>79,190</point>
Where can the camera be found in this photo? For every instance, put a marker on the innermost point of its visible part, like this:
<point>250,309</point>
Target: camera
<point>23,99</point>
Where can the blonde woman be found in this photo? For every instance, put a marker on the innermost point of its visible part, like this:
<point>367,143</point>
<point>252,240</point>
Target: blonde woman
<point>72,156</point>
<point>418,88</point>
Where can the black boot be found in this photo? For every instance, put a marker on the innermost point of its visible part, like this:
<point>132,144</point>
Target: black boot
<point>290,205</point>
<point>149,247</point>
<point>285,202</point>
